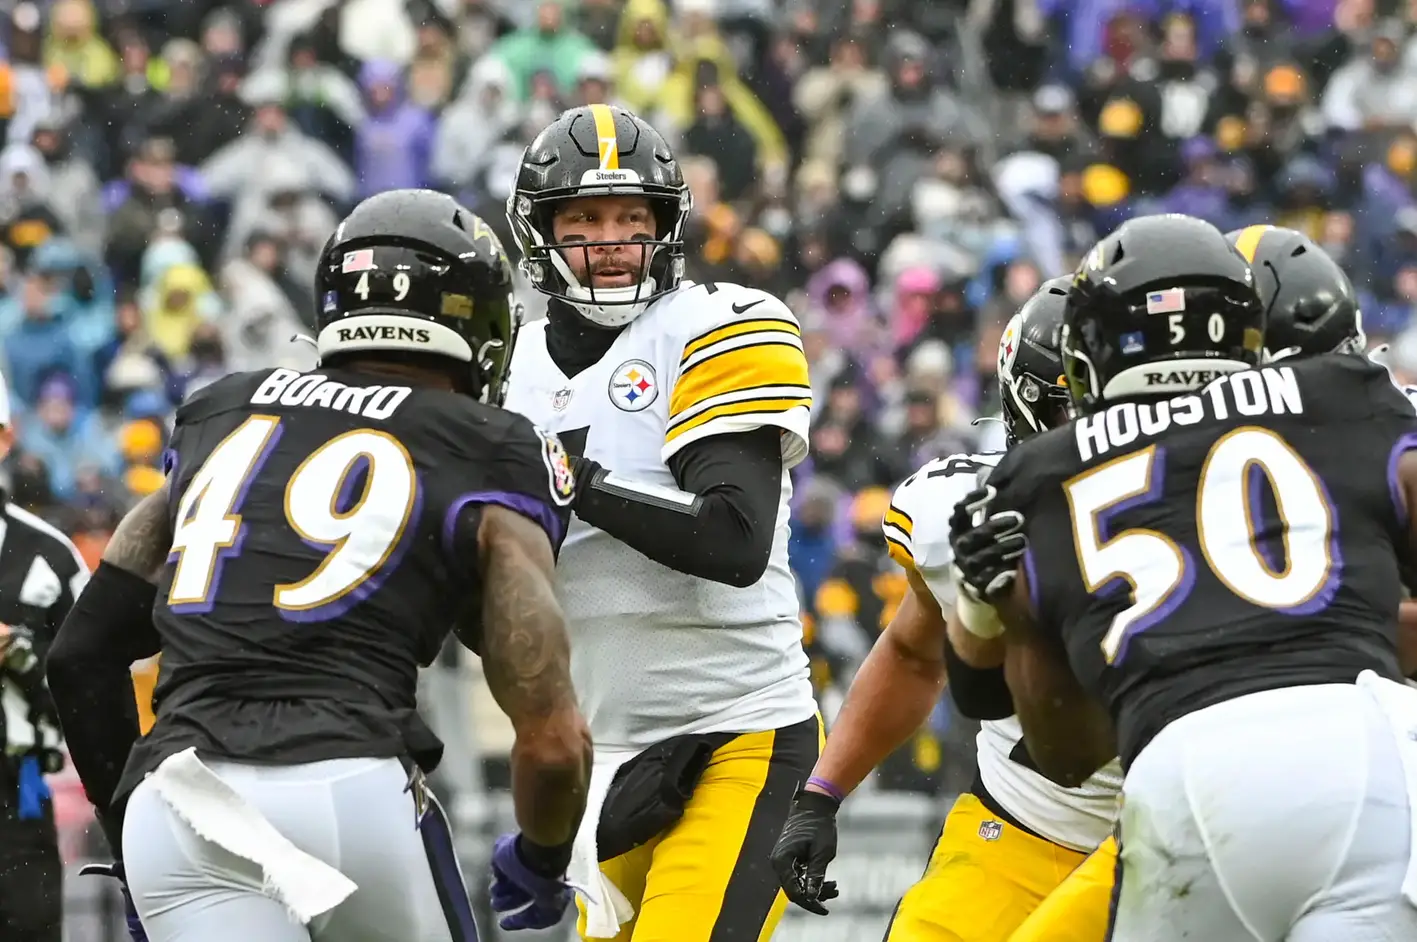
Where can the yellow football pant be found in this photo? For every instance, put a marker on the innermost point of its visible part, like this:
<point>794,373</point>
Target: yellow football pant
<point>1078,910</point>
<point>144,680</point>
<point>983,879</point>
<point>709,878</point>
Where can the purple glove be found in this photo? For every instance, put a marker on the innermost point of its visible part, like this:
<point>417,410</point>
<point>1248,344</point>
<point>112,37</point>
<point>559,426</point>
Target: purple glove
<point>522,898</point>
<point>130,912</point>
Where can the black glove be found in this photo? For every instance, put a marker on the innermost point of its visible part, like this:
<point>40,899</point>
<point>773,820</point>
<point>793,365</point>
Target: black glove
<point>807,845</point>
<point>987,546</point>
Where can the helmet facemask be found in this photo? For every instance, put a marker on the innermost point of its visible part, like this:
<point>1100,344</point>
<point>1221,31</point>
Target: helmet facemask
<point>660,265</point>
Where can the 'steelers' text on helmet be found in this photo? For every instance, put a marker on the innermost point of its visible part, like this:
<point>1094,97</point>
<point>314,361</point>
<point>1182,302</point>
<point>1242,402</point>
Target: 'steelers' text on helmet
<point>599,150</point>
<point>1310,305</point>
<point>1031,384</point>
<point>414,271</point>
<point>1160,307</point>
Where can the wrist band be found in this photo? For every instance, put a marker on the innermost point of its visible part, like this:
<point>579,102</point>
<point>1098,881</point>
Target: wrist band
<point>827,787</point>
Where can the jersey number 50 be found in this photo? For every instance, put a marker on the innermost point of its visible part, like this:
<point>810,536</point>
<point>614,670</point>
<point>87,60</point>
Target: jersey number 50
<point>360,532</point>
<point>1161,572</point>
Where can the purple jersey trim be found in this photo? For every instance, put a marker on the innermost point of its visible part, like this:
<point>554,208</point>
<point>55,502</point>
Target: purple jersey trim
<point>538,510</point>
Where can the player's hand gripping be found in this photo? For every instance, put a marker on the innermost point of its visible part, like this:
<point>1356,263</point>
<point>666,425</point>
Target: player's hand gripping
<point>130,912</point>
<point>521,897</point>
<point>806,847</point>
<point>987,546</point>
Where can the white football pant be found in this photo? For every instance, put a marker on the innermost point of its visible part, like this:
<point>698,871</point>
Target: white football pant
<point>1276,816</point>
<point>357,815</point>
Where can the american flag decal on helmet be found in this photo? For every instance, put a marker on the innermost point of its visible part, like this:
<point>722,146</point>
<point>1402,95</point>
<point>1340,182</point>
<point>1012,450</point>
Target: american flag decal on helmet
<point>1170,301</point>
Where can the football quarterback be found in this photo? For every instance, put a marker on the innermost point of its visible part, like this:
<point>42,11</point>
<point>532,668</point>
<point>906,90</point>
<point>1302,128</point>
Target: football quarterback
<point>1013,837</point>
<point>683,405</point>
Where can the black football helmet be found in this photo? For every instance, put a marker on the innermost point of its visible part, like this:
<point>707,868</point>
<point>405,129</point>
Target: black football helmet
<point>1161,306</point>
<point>599,150</point>
<point>1310,305</point>
<point>414,271</point>
<point>1031,384</point>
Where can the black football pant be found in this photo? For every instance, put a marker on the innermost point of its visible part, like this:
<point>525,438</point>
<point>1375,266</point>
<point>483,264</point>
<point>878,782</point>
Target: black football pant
<point>31,878</point>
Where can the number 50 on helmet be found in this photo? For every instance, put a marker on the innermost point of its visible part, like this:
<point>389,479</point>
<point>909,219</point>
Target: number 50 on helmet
<point>414,272</point>
<point>1158,308</point>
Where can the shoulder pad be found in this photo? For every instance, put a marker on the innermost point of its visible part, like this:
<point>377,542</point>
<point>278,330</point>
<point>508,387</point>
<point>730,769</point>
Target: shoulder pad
<point>917,524</point>
<point>740,366</point>
<point>229,392</point>
<point>707,305</point>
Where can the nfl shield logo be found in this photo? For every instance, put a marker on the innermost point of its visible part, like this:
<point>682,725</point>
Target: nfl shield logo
<point>561,399</point>
<point>991,830</point>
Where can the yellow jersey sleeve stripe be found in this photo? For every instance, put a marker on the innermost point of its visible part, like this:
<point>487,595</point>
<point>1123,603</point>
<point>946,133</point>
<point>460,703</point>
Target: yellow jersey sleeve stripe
<point>728,331</point>
<point>899,518</point>
<point>605,133</point>
<point>770,391</point>
<point>900,553</point>
<point>1247,243</point>
<point>771,363</point>
<point>746,407</point>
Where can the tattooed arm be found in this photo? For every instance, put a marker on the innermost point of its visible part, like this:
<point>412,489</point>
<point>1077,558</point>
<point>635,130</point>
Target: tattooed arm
<point>109,626</point>
<point>526,656</point>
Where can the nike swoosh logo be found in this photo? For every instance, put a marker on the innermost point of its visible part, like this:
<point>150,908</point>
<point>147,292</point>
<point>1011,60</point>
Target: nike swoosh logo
<point>740,308</point>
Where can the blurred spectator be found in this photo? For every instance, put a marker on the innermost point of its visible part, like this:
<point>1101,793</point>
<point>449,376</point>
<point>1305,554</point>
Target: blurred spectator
<point>551,44</point>
<point>67,437</point>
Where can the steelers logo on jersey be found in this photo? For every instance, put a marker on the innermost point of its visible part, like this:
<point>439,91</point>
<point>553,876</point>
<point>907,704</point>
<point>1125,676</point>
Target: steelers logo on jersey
<point>558,467</point>
<point>633,386</point>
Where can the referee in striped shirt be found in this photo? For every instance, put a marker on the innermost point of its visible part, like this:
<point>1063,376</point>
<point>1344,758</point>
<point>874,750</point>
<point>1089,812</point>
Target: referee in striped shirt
<point>41,573</point>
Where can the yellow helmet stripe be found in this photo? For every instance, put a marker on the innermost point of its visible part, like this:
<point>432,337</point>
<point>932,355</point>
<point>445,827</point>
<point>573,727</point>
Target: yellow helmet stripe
<point>1247,243</point>
<point>605,132</point>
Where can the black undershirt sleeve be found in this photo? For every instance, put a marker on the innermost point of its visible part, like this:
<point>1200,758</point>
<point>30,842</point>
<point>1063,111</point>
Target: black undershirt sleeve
<point>979,694</point>
<point>109,626</point>
<point>721,528</point>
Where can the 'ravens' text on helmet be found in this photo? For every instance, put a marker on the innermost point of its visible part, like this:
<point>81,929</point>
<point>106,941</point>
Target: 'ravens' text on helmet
<point>1161,306</point>
<point>414,271</point>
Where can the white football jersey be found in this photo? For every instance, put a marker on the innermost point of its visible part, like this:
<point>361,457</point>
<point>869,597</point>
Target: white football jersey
<point>656,653</point>
<point>917,530</point>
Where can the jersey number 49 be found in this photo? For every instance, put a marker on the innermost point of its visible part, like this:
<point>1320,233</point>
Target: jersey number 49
<point>358,532</point>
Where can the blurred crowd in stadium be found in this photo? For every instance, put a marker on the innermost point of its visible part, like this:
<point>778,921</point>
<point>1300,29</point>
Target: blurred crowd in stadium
<point>904,173</point>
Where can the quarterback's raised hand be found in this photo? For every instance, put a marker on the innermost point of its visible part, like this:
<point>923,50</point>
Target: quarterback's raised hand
<point>987,546</point>
<point>806,847</point>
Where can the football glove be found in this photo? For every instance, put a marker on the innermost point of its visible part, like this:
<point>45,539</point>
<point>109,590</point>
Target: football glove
<point>805,848</point>
<point>987,546</point>
<point>522,898</point>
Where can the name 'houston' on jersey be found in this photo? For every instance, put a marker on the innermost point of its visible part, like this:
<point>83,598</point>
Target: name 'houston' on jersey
<point>1239,539</point>
<point>917,531</point>
<point>656,653</point>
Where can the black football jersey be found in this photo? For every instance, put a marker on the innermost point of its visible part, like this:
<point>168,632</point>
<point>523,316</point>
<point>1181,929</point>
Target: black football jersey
<point>324,544</point>
<point>1243,538</point>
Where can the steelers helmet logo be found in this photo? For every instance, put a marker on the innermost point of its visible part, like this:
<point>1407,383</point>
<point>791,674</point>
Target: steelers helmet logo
<point>633,386</point>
